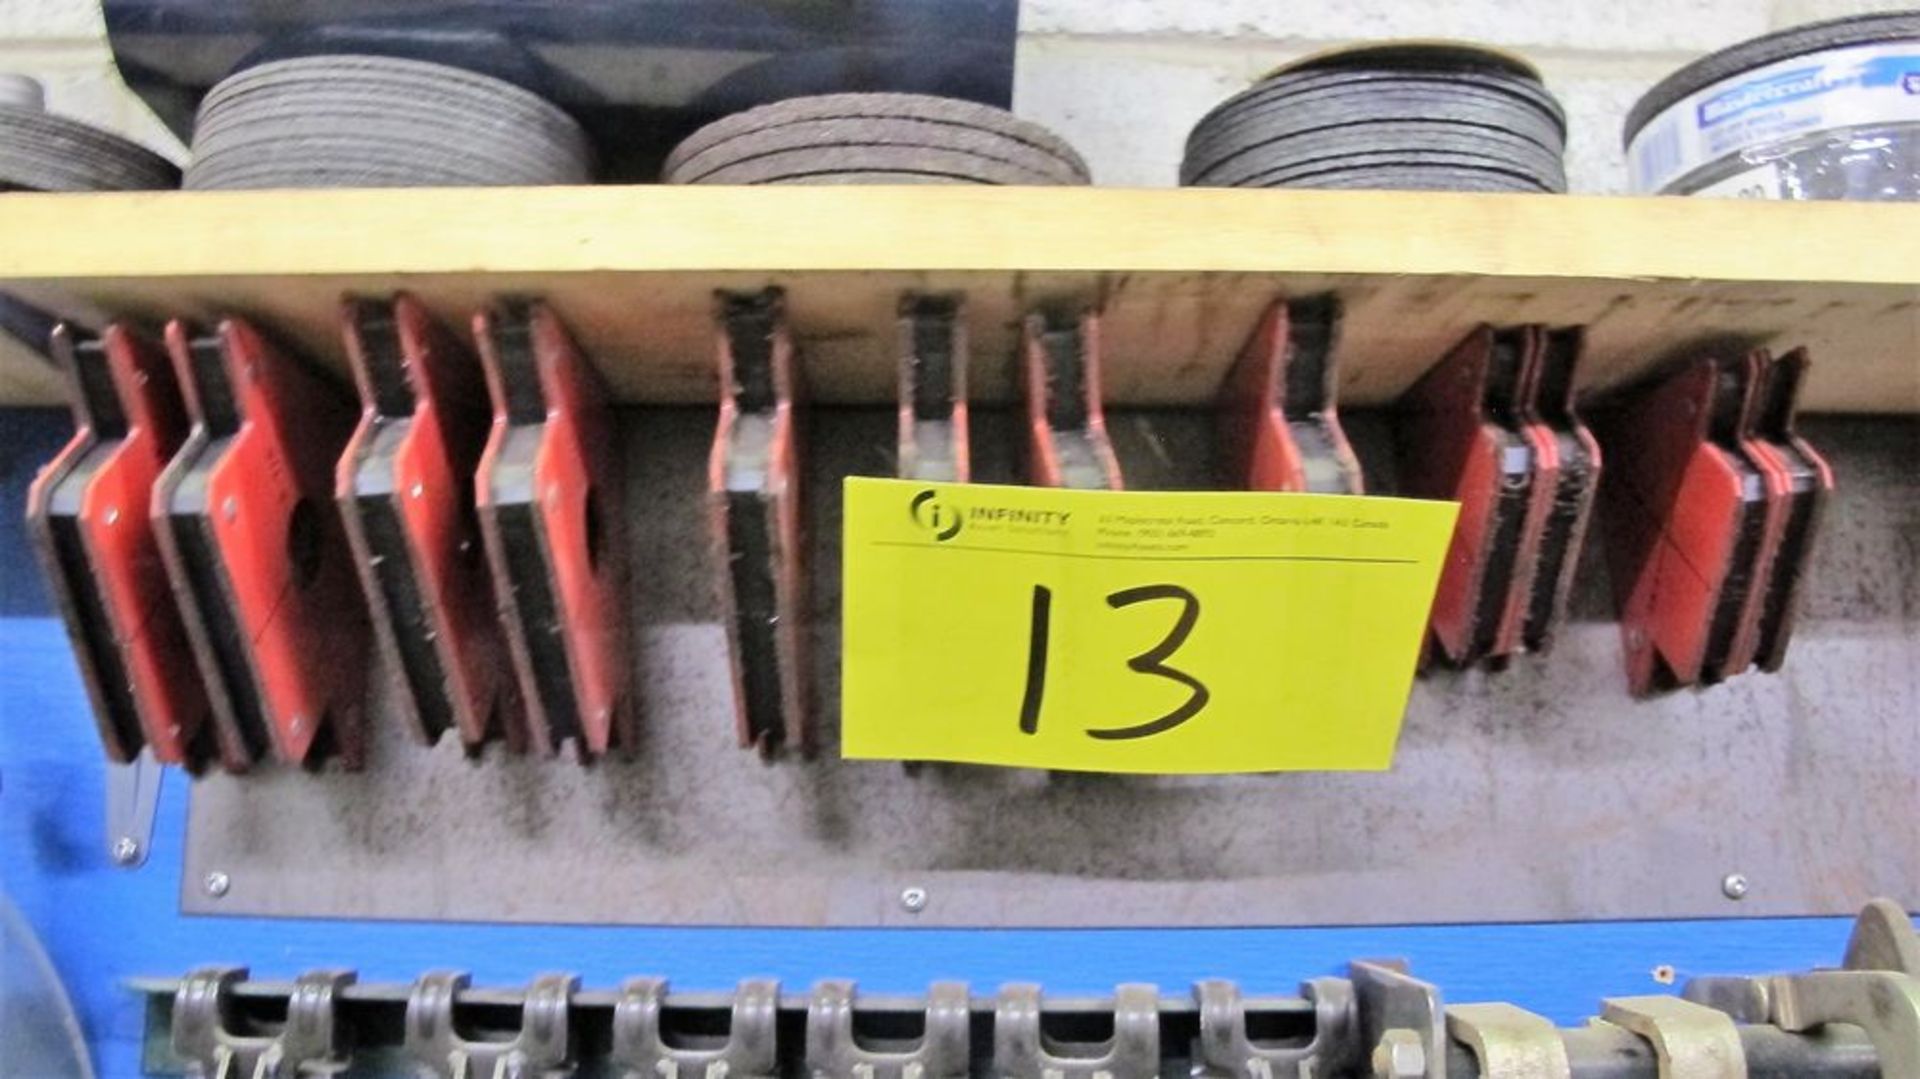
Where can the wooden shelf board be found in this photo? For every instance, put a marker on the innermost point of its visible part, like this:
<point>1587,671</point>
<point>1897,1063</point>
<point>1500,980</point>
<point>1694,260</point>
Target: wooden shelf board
<point>1182,274</point>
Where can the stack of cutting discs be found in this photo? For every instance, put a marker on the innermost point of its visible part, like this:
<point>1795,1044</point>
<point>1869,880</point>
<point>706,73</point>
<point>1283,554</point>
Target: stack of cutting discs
<point>40,152</point>
<point>375,121</point>
<point>1410,116</point>
<point>874,139</point>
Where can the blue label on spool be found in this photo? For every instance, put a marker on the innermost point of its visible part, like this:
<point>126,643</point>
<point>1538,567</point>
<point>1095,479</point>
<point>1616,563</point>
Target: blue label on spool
<point>1868,84</point>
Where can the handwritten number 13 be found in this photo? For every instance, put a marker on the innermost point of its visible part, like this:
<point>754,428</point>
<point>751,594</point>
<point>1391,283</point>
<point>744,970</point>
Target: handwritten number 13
<point>1152,661</point>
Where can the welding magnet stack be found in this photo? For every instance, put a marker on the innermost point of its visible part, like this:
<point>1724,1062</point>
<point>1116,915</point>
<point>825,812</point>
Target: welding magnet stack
<point>258,559</point>
<point>230,627</point>
<point>1712,500</point>
<point>189,537</point>
<point>754,481</point>
<point>406,492</point>
<point>88,514</point>
<point>1492,427</point>
<point>1398,115</point>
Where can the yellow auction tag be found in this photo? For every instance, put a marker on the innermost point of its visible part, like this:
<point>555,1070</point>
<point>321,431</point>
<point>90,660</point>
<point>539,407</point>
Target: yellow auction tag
<point>1122,631</point>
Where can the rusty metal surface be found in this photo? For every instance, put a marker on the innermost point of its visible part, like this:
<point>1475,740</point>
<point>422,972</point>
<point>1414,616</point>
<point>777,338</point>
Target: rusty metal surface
<point>1508,1040</point>
<point>1692,1040</point>
<point>1542,793</point>
<point>1883,939</point>
<point>1884,1004</point>
<point>647,1029</point>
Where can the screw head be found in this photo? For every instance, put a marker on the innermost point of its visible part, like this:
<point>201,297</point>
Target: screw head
<point>126,850</point>
<point>216,884</point>
<point>1664,974</point>
<point>1734,885</point>
<point>913,900</point>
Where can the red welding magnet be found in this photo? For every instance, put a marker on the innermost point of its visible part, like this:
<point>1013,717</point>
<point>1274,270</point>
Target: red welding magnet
<point>933,438</point>
<point>549,494</point>
<point>1279,428</point>
<point>1515,404</point>
<point>1748,585</point>
<point>405,489</point>
<point>257,556</point>
<point>1067,443</point>
<point>1454,446</point>
<point>753,505</point>
<point>1680,505</point>
<point>1810,481</point>
<point>87,512</point>
<point>1577,455</point>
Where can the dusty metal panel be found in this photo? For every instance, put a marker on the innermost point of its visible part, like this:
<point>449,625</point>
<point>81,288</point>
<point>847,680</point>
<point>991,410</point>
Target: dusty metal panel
<point>1543,792</point>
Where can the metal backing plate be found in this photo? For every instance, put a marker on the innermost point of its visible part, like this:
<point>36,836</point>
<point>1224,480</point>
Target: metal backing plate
<point>1542,793</point>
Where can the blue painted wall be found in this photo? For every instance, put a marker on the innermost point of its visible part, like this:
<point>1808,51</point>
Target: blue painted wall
<point>103,925</point>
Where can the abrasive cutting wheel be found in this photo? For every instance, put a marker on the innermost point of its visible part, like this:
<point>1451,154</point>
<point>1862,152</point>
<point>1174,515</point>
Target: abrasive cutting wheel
<point>874,139</point>
<point>377,121</point>
<point>1412,115</point>
<point>43,152</point>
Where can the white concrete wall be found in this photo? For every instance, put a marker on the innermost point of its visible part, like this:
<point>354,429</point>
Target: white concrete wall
<point>63,43</point>
<point>1125,79</point>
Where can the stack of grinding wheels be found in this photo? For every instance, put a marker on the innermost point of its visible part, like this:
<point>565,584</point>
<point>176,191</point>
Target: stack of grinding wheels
<point>874,139</point>
<point>1412,116</point>
<point>42,152</point>
<point>374,121</point>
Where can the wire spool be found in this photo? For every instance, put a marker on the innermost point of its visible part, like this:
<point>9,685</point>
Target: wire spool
<point>874,139</point>
<point>1404,115</point>
<point>43,152</point>
<point>378,121</point>
<point>1830,110</point>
